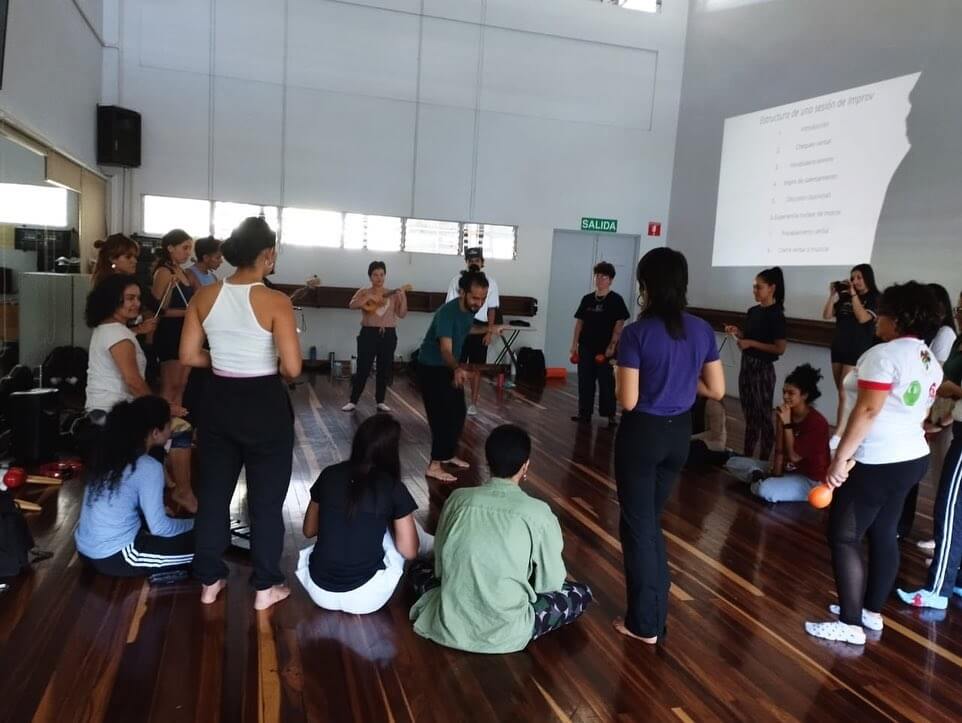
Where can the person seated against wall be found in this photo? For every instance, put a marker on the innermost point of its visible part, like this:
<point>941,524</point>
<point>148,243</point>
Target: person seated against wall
<point>115,369</point>
<point>801,444</point>
<point>709,440</point>
<point>498,579</point>
<point>363,518</point>
<point>123,529</point>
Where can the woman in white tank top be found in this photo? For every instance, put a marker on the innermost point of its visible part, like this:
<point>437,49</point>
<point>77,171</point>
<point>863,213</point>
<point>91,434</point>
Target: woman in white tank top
<point>246,419</point>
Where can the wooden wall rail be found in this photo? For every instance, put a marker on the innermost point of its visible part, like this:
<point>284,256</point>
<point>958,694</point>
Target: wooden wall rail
<point>802,331</point>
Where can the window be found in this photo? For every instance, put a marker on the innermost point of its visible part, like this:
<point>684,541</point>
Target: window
<point>163,213</point>
<point>431,237</point>
<point>497,242</point>
<point>306,227</point>
<point>645,6</point>
<point>33,205</point>
<point>228,216</point>
<point>376,233</point>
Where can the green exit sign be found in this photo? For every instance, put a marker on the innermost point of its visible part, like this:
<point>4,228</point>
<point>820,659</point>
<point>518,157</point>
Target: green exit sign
<point>605,225</point>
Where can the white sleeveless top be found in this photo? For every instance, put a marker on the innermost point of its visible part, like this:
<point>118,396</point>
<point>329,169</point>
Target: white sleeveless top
<point>239,345</point>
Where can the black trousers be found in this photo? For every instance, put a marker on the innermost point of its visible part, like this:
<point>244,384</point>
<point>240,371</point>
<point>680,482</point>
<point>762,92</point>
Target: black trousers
<point>944,571</point>
<point>248,423</point>
<point>589,374</point>
<point>445,409</point>
<point>869,503</point>
<point>374,343</point>
<point>649,453</point>
<point>146,555</point>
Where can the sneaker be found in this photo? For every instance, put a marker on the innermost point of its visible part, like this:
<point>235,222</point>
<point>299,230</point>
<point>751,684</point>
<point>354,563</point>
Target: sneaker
<point>382,407</point>
<point>838,631</point>
<point>349,407</point>
<point>923,599</point>
<point>870,620</point>
<point>472,410</point>
<point>925,544</point>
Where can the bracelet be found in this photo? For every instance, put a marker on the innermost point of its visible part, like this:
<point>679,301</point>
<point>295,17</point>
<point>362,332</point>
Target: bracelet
<point>790,426</point>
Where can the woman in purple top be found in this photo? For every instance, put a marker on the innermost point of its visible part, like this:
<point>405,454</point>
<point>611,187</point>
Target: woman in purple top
<point>665,359</point>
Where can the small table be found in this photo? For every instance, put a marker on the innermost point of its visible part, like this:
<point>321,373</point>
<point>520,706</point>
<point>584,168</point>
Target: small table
<point>508,337</point>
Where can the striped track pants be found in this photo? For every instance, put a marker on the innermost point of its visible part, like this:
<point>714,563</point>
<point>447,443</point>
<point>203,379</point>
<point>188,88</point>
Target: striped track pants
<point>944,571</point>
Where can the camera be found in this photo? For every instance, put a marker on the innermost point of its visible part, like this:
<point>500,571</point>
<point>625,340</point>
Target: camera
<point>842,287</point>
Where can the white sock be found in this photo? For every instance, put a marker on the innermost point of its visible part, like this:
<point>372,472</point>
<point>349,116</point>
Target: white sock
<point>837,631</point>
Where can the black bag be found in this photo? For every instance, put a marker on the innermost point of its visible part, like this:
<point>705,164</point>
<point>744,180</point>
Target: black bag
<point>15,538</point>
<point>66,368</point>
<point>530,366</point>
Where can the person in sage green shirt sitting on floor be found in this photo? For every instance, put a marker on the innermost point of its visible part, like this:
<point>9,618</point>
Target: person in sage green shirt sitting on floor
<point>498,580</point>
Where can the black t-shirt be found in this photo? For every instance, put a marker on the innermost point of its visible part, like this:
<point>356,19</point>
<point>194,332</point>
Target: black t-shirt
<point>348,550</point>
<point>849,332</point>
<point>599,317</point>
<point>765,324</point>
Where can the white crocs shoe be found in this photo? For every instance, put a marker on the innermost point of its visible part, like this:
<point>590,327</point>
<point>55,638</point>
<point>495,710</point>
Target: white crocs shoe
<point>837,631</point>
<point>349,407</point>
<point>382,407</point>
<point>870,620</point>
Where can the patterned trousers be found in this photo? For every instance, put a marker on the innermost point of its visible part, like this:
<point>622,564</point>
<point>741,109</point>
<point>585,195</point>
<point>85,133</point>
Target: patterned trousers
<point>756,388</point>
<point>552,610</point>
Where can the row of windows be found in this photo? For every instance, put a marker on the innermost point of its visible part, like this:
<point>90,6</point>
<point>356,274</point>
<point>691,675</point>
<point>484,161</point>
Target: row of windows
<point>330,229</point>
<point>26,205</point>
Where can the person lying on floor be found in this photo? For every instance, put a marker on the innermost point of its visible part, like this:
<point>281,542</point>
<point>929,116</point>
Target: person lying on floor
<point>125,484</point>
<point>363,518</point>
<point>498,580</point>
<point>801,455</point>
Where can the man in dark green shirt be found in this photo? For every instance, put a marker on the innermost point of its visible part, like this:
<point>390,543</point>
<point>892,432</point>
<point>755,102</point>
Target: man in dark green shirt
<point>441,376</point>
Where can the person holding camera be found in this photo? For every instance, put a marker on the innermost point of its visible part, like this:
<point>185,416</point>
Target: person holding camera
<point>854,306</point>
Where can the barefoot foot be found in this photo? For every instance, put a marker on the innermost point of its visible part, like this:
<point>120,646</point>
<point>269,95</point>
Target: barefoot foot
<point>435,471</point>
<point>263,599</point>
<point>209,593</point>
<point>619,625</point>
<point>457,462</point>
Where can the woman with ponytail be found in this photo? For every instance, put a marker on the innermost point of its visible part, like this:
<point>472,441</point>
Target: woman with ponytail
<point>762,342</point>
<point>172,289</point>
<point>125,484</point>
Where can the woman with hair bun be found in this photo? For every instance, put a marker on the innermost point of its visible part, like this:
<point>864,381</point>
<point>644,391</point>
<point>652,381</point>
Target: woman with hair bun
<point>118,254</point>
<point>247,420</point>
<point>801,444</point>
<point>172,289</point>
<point>762,341</point>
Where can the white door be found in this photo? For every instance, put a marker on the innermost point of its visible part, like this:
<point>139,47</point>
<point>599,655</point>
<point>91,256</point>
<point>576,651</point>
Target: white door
<point>573,257</point>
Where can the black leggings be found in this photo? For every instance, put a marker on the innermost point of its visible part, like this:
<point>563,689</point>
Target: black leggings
<point>756,389</point>
<point>148,554</point>
<point>869,503</point>
<point>649,453</point>
<point>445,409</point>
<point>249,424</point>
<point>374,343</point>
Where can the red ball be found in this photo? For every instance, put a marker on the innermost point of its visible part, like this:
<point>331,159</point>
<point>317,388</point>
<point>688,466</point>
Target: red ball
<point>574,358</point>
<point>15,477</point>
<point>820,497</point>
<point>600,358</point>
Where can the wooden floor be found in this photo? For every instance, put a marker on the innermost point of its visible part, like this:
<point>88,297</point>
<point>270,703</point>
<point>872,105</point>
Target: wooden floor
<point>75,646</point>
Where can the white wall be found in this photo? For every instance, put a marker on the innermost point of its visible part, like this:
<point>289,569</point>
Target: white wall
<point>534,114</point>
<point>52,73</point>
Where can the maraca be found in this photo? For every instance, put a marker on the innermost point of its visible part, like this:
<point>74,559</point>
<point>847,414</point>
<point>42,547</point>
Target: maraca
<point>820,497</point>
<point>600,358</point>
<point>574,358</point>
<point>14,477</point>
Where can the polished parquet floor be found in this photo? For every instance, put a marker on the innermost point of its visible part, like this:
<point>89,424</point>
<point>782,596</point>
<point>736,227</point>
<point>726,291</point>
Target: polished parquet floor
<point>76,646</point>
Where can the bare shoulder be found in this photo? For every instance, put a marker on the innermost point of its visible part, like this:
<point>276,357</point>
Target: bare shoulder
<point>271,298</point>
<point>204,298</point>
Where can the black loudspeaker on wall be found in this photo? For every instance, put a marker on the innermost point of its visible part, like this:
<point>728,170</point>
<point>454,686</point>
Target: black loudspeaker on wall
<point>118,136</point>
<point>35,419</point>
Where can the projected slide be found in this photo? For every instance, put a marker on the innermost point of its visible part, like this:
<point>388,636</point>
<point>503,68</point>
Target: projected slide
<point>803,184</point>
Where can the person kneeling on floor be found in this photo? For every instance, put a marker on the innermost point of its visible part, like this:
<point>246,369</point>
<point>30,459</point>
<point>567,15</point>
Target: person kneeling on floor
<point>363,518</point>
<point>126,484</point>
<point>498,580</point>
<point>801,444</point>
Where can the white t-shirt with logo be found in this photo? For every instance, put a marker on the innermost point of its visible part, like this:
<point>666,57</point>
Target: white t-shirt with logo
<point>105,385</point>
<point>492,302</point>
<point>907,369</point>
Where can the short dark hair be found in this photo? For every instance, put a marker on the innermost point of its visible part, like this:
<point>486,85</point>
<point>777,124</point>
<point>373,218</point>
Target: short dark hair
<point>247,241</point>
<point>806,378</point>
<point>374,266</point>
<point>605,269</point>
<point>106,297</point>
<point>507,449</point>
<point>913,307</point>
<point>470,278</point>
<point>205,247</point>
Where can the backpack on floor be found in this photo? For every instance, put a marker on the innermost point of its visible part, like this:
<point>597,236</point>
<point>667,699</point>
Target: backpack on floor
<point>66,367</point>
<point>15,538</point>
<point>530,366</point>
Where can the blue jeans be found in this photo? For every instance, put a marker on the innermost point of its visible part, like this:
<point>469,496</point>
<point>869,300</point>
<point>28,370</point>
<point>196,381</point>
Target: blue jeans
<point>790,487</point>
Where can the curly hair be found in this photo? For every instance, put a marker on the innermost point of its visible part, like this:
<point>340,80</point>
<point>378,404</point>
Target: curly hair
<point>472,278</point>
<point>806,378</point>
<point>913,307</point>
<point>106,297</point>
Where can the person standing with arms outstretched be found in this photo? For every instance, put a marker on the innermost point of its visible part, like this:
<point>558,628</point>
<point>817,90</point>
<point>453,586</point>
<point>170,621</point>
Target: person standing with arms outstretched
<point>475,349</point>
<point>248,420</point>
<point>441,375</point>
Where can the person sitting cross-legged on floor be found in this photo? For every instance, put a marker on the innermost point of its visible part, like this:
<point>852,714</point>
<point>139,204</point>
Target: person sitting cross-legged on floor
<point>363,518</point>
<point>498,580</point>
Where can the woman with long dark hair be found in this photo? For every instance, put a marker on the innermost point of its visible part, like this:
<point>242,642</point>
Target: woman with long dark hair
<point>363,518</point>
<point>762,341</point>
<point>172,289</point>
<point>125,484</point>
<point>247,420</point>
<point>665,359</point>
<point>854,306</point>
<point>882,455</point>
<point>943,340</point>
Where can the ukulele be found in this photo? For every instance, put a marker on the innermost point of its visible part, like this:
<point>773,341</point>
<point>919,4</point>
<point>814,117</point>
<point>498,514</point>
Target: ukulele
<point>371,305</point>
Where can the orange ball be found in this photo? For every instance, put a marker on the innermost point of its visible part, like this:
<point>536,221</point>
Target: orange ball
<point>820,497</point>
<point>575,358</point>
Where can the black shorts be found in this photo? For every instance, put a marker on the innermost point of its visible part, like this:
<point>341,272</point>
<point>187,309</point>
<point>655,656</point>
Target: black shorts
<point>474,351</point>
<point>844,351</point>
